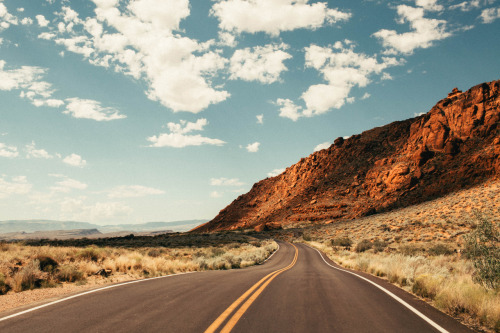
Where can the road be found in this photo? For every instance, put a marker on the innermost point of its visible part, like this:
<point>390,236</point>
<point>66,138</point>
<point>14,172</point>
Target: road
<point>295,291</point>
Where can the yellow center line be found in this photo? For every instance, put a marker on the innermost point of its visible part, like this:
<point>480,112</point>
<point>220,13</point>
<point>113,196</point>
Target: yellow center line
<point>249,302</point>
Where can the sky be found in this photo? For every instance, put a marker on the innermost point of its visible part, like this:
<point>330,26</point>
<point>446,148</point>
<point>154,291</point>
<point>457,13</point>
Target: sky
<point>129,111</point>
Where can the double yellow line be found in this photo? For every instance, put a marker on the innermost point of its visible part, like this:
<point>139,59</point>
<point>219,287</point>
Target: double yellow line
<point>263,283</point>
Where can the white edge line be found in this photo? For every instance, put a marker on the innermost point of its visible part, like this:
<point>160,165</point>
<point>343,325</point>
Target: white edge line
<point>411,308</point>
<point>272,254</point>
<point>107,287</point>
<point>89,292</point>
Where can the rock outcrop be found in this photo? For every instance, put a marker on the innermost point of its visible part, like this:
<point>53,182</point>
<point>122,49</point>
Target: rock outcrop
<point>455,145</point>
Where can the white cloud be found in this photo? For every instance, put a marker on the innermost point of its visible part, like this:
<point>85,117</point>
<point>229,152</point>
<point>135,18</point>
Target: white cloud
<point>20,9</point>
<point>260,119</point>
<point>261,63</point>
<point>6,19</point>
<point>226,182</point>
<point>42,21</point>
<point>67,185</point>
<point>275,172</point>
<point>366,96</point>
<point>274,16</point>
<point>75,160</point>
<point>90,109</point>
<point>133,191</point>
<point>215,194</point>
<point>430,5</point>
<point>253,147</point>
<point>466,5</point>
<point>424,31</point>
<point>17,185</point>
<point>143,39</point>
<point>322,146</point>
<point>8,151</point>
<point>32,152</point>
<point>178,137</point>
<point>26,21</point>
<point>342,69</point>
<point>489,15</point>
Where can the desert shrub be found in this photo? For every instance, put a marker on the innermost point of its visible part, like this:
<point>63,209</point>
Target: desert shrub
<point>379,245</point>
<point>4,287</point>
<point>306,237</point>
<point>47,264</point>
<point>90,253</point>
<point>410,250</point>
<point>344,242</point>
<point>440,249</point>
<point>483,247</point>
<point>69,273</point>
<point>29,277</point>
<point>363,246</point>
<point>217,251</point>
<point>154,253</point>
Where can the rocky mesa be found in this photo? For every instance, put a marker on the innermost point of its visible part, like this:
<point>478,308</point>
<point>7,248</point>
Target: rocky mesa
<point>455,145</point>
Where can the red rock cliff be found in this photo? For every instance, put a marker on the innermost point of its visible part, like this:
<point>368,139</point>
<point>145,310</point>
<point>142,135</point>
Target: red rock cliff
<point>455,145</point>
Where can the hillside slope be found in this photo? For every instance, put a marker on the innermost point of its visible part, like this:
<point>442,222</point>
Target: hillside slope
<point>454,146</point>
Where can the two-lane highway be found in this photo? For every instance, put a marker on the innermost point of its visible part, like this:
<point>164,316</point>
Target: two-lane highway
<point>295,291</point>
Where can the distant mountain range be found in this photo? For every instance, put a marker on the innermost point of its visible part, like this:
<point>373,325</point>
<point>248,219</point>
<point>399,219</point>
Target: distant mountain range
<point>30,226</point>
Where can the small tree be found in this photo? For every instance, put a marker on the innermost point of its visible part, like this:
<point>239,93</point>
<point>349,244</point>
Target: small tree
<point>482,246</point>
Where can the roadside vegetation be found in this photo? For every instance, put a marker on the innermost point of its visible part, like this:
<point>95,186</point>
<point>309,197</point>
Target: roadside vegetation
<point>49,264</point>
<point>461,278</point>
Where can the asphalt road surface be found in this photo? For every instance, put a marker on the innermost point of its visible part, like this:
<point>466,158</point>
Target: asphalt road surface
<point>297,290</point>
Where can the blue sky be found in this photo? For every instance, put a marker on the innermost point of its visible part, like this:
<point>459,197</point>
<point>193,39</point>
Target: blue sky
<point>128,111</point>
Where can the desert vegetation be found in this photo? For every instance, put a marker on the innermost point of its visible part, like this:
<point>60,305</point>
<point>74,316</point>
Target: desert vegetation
<point>25,266</point>
<point>461,278</point>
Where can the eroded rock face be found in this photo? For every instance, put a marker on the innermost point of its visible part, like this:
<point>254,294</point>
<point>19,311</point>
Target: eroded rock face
<point>455,145</point>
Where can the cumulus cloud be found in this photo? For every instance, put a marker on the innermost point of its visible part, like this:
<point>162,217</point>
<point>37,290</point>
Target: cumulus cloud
<point>226,182</point>
<point>8,151</point>
<point>16,185</point>
<point>75,160</point>
<point>276,172</point>
<point>179,137</point>
<point>260,119</point>
<point>32,152</point>
<point>424,31</point>
<point>67,185</point>
<point>489,15</point>
<point>366,96</point>
<point>342,68</point>
<point>274,16</point>
<point>79,209</point>
<point>90,109</point>
<point>42,21</point>
<point>322,146</point>
<point>133,191</point>
<point>142,38</point>
<point>261,63</point>
<point>466,5</point>
<point>253,147</point>
<point>6,19</point>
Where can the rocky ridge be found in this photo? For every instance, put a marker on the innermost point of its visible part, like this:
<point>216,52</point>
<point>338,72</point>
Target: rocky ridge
<point>455,145</point>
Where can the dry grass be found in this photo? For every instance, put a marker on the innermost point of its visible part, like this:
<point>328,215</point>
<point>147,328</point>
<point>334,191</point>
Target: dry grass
<point>28,267</point>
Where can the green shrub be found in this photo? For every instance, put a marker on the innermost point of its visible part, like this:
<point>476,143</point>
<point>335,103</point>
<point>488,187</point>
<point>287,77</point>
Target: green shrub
<point>482,246</point>
<point>363,246</point>
<point>379,246</point>
<point>90,253</point>
<point>29,277</point>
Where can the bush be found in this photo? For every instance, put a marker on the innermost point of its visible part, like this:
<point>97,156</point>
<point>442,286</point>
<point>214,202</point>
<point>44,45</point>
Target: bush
<point>363,246</point>
<point>90,253</point>
<point>344,242</point>
<point>29,277</point>
<point>440,249</point>
<point>379,246</point>
<point>69,273</point>
<point>4,287</point>
<point>483,247</point>
<point>47,264</point>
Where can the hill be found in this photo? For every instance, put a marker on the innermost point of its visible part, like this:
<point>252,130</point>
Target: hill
<point>455,145</point>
